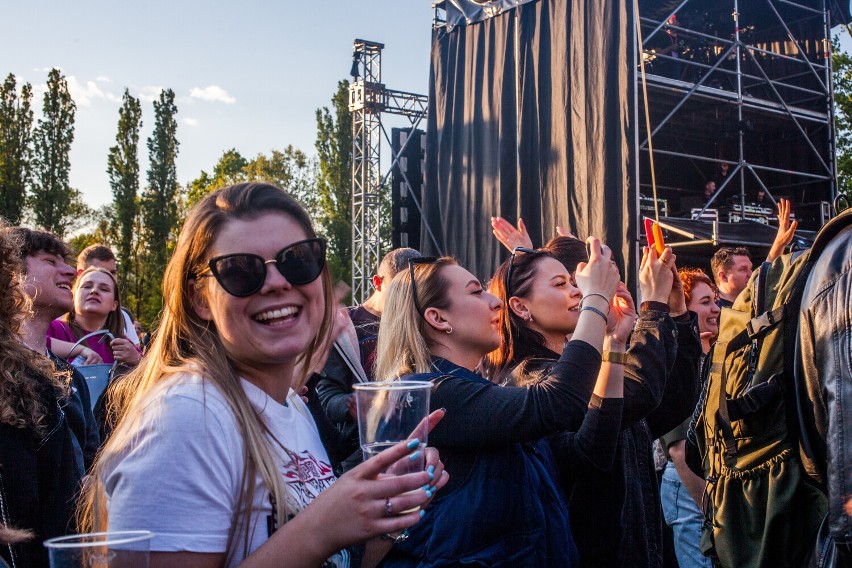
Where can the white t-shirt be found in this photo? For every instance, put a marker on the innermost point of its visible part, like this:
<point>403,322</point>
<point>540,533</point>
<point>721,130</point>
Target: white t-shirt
<point>181,476</point>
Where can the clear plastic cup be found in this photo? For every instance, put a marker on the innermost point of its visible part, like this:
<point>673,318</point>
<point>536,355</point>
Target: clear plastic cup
<point>118,549</point>
<point>390,412</point>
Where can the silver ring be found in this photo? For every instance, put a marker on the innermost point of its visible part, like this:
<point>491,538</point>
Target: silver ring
<point>388,507</point>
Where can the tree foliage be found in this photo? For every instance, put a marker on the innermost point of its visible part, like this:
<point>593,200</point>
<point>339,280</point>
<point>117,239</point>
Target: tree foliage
<point>842,79</point>
<point>291,170</point>
<point>333,187</point>
<point>160,203</point>
<point>123,171</point>
<point>16,123</point>
<point>52,200</point>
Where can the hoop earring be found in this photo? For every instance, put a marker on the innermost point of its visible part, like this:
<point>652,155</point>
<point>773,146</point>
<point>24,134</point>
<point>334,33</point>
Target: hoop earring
<point>449,331</point>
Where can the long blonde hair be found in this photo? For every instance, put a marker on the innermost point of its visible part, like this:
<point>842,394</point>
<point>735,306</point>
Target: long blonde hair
<point>403,346</point>
<point>187,343</point>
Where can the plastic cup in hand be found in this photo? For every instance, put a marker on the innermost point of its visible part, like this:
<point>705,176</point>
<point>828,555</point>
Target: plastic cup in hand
<point>117,549</point>
<point>390,412</point>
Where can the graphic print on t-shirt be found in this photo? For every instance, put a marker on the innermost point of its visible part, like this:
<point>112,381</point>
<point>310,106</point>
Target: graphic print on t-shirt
<point>306,476</point>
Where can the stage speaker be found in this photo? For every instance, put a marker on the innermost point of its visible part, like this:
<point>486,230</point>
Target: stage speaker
<point>407,182</point>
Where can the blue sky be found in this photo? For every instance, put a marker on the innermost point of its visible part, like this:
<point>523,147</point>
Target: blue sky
<point>247,75</point>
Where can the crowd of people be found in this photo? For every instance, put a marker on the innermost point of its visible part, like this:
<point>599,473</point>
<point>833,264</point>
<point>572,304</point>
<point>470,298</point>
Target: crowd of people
<point>231,432</point>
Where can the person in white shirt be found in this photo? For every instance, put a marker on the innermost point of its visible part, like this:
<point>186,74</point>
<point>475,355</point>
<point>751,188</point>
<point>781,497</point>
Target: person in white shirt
<point>213,450</point>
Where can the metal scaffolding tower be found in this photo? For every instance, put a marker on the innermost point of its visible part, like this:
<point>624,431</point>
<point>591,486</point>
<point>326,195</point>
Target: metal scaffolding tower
<point>368,99</point>
<point>740,94</point>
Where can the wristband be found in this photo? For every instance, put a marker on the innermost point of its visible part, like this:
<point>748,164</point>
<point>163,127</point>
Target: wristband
<point>595,310</point>
<point>617,357</point>
<point>583,299</point>
<point>654,306</point>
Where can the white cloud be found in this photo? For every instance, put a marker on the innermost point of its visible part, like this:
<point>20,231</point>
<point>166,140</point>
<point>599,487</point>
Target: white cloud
<point>84,94</point>
<point>102,79</point>
<point>189,121</point>
<point>212,93</point>
<point>46,69</point>
<point>150,93</point>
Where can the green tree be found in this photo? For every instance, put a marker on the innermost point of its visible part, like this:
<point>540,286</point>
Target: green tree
<point>842,76</point>
<point>333,191</point>
<point>16,124</point>
<point>227,171</point>
<point>52,200</point>
<point>160,203</point>
<point>123,170</point>
<point>291,170</point>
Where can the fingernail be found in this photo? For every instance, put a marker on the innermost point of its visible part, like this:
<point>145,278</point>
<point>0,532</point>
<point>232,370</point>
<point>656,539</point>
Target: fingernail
<point>414,456</point>
<point>413,443</point>
<point>428,494</point>
<point>425,487</point>
<point>422,513</point>
<point>432,488</point>
<point>444,409</point>
<point>431,471</point>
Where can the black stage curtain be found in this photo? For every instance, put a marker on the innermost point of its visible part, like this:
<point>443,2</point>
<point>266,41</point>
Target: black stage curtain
<point>529,116</point>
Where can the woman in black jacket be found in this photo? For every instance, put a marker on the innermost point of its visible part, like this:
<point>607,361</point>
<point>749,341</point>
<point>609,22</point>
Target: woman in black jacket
<point>39,471</point>
<point>625,497</point>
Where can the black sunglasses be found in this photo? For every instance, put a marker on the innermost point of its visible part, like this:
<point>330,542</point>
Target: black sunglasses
<point>411,263</point>
<point>243,274</point>
<point>515,251</point>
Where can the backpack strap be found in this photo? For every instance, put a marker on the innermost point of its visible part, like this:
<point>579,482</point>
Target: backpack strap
<point>755,398</point>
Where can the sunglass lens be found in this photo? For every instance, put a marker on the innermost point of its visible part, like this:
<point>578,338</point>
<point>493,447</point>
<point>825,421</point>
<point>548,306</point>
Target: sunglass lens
<point>303,262</point>
<point>241,275</point>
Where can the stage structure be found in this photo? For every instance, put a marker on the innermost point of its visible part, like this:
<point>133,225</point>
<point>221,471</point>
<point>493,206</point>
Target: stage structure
<point>536,111</point>
<point>368,100</point>
<point>741,114</point>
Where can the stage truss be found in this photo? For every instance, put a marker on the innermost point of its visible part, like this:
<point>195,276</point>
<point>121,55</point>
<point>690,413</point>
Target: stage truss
<point>735,87</point>
<point>368,100</point>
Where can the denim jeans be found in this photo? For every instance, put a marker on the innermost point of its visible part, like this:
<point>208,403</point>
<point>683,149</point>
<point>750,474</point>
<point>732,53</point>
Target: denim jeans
<point>685,518</point>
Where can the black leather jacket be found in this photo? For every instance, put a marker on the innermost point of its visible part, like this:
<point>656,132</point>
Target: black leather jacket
<point>825,336</point>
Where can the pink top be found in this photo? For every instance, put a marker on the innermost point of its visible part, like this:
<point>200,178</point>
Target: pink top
<point>59,329</point>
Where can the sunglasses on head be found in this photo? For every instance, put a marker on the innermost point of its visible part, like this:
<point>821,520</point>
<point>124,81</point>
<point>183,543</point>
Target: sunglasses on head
<point>243,274</point>
<point>515,251</point>
<point>411,263</point>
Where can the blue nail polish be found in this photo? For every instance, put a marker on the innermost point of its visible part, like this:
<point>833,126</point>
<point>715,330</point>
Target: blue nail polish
<point>422,513</point>
<point>414,456</point>
<point>425,487</point>
<point>431,469</point>
<point>413,444</point>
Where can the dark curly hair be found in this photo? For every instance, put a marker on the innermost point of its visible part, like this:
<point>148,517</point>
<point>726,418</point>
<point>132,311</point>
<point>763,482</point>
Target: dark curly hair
<point>23,372</point>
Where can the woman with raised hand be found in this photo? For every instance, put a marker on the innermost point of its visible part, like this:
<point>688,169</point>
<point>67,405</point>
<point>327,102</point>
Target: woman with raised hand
<point>97,306</point>
<point>541,306</point>
<point>213,450</point>
<point>503,506</point>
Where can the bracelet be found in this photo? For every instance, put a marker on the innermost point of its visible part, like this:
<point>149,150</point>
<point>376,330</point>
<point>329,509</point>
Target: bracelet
<point>617,357</point>
<point>595,310</point>
<point>395,539</point>
<point>583,299</point>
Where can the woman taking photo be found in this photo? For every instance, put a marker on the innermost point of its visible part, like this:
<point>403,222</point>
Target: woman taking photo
<point>213,450</point>
<point>96,307</point>
<point>503,506</point>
